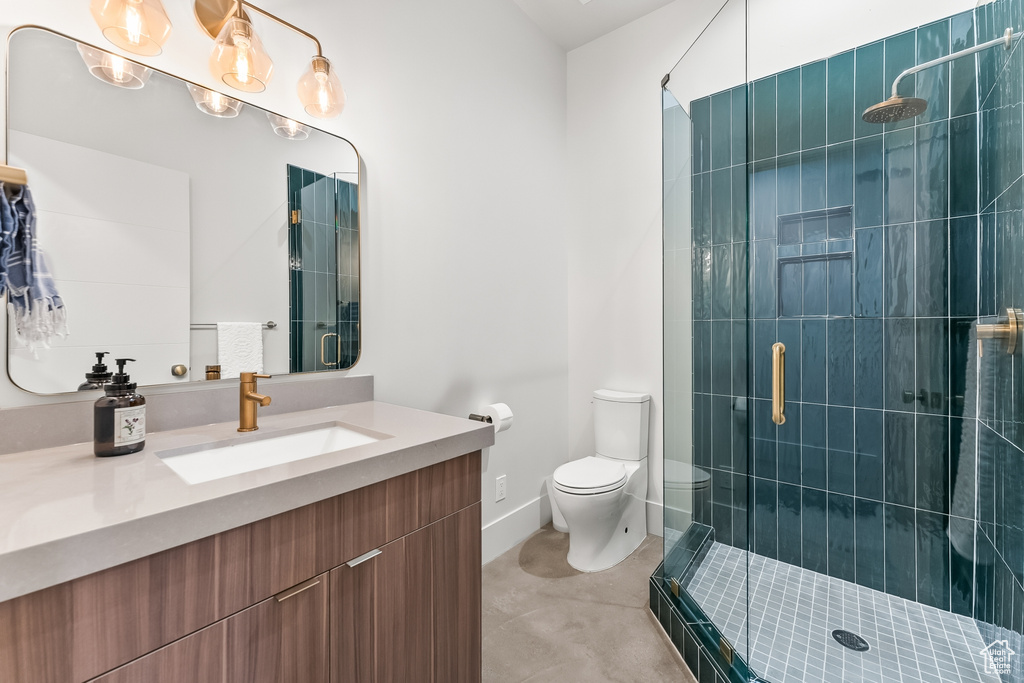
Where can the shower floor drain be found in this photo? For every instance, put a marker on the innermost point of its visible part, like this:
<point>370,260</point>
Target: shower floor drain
<point>850,640</point>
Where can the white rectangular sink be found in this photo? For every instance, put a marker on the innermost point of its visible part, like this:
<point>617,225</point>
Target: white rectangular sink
<point>216,460</point>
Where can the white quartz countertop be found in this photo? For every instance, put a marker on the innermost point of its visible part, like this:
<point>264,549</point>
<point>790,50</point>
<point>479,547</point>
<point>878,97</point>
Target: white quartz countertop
<point>64,513</point>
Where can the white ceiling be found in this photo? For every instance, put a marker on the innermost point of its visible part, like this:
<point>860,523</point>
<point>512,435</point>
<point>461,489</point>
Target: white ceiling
<point>572,23</point>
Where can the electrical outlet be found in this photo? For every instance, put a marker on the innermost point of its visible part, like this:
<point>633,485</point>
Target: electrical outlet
<point>499,488</point>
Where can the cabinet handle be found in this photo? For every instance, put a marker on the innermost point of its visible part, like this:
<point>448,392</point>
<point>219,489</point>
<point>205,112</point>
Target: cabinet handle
<point>364,557</point>
<point>779,383</point>
<point>292,592</point>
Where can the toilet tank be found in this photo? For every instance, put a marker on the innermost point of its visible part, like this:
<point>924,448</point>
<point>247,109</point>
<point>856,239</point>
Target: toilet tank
<point>621,422</point>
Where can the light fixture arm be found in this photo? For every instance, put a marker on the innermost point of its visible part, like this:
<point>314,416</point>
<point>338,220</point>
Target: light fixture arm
<point>239,4</point>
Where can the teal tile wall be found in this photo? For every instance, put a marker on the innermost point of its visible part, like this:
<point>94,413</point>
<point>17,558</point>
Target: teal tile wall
<point>323,272</point>
<point>862,480</point>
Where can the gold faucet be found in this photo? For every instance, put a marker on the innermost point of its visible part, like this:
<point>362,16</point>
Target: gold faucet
<point>247,401</point>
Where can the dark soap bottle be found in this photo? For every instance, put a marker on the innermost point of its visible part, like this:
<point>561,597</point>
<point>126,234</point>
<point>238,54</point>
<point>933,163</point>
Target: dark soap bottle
<point>119,418</point>
<point>99,375</point>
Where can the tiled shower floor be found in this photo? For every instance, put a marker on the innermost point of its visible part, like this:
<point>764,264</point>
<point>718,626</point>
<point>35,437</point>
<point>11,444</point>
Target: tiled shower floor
<point>797,610</point>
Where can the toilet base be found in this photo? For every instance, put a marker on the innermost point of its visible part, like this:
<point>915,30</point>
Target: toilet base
<point>605,528</point>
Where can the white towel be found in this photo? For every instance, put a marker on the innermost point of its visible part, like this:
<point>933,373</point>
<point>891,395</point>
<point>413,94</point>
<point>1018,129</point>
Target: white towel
<point>239,348</point>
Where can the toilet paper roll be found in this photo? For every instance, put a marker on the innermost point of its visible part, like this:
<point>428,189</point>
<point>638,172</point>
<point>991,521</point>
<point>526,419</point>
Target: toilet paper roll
<point>500,414</point>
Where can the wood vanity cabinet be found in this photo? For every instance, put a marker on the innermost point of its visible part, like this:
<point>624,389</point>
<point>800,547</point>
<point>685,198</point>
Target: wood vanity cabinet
<point>275,602</point>
<point>411,613</point>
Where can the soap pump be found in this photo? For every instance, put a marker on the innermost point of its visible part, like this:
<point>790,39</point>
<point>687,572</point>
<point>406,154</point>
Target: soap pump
<point>99,375</point>
<point>119,418</point>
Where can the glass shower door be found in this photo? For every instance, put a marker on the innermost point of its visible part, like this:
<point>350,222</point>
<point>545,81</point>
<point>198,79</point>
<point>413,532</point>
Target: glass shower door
<point>707,333</point>
<point>874,528</point>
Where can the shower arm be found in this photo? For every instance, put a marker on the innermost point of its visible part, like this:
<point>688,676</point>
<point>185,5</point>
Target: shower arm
<point>1006,41</point>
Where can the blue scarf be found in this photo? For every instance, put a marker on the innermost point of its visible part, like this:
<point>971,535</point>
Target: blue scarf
<point>33,302</point>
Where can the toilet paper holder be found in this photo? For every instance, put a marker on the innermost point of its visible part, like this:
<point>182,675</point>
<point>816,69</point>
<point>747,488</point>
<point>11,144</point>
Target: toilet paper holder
<point>481,418</point>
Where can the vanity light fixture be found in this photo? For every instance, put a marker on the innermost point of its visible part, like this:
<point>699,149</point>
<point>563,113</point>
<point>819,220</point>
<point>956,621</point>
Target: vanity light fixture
<point>320,90</point>
<point>113,69</point>
<point>137,26</point>
<point>287,128</point>
<point>214,103</point>
<point>238,57</point>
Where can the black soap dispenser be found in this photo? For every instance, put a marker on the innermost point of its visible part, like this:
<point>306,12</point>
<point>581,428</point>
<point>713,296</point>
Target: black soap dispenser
<point>119,418</point>
<point>99,375</point>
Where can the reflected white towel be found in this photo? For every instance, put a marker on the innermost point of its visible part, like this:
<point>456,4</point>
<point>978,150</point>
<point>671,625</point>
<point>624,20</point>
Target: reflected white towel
<point>239,348</point>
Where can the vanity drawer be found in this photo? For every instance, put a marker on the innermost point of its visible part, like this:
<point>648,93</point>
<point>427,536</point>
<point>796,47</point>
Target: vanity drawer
<point>283,638</point>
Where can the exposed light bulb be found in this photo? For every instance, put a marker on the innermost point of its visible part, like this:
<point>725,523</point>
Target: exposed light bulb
<point>218,102</point>
<point>134,25</point>
<point>117,68</point>
<point>288,128</point>
<point>320,90</point>
<point>243,61</point>
<point>114,69</point>
<point>238,57</point>
<point>137,26</point>
<point>214,103</point>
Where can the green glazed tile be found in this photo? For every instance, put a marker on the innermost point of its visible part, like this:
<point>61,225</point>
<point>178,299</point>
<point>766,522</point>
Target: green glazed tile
<point>869,89</point>
<point>812,105</point>
<point>764,118</point>
<point>840,174</point>
<point>932,170</point>
<point>867,203</point>
<point>700,115</point>
<point>840,98</point>
<point>789,111</point>
<point>740,125</point>
<point>812,179</point>
<point>721,130</point>
<point>933,83</point>
<point>900,53</point>
<point>963,79</point>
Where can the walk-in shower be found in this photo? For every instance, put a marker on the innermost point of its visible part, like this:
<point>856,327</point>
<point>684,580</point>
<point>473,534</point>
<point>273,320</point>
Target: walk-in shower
<point>844,385</point>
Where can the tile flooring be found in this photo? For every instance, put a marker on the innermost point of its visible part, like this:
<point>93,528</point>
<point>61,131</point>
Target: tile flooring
<point>545,621</point>
<point>797,609</point>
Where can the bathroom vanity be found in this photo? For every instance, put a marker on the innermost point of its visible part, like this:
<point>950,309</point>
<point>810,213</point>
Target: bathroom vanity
<point>357,565</point>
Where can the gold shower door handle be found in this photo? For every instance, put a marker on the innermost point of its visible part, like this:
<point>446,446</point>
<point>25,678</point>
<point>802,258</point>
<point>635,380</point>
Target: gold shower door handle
<point>323,358</point>
<point>779,383</point>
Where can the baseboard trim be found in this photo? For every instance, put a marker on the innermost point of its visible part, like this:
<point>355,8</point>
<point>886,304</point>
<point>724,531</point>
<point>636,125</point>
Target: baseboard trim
<point>655,518</point>
<point>508,530</point>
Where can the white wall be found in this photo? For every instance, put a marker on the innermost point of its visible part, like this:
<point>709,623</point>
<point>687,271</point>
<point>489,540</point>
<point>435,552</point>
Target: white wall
<point>115,235</point>
<point>458,109</point>
<point>615,181</point>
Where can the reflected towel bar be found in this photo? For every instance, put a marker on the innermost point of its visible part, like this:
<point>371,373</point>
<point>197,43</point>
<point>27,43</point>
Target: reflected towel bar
<point>269,325</point>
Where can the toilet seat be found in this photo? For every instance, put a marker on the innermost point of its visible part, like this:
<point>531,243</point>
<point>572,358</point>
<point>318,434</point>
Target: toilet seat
<point>590,476</point>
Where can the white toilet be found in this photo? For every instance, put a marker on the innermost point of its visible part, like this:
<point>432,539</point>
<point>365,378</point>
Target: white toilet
<point>603,498</point>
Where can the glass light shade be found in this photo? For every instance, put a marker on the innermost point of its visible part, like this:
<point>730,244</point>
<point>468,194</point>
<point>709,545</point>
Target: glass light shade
<point>287,128</point>
<point>214,103</point>
<point>137,26</point>
<point>112,69</point>
<point>320,90</point>
<point>238,57</point>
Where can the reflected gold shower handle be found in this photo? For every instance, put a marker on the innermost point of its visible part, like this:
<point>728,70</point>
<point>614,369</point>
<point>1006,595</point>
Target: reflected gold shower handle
<point>779,383</point>
<point>1008,330</point>
<point>323,339</point>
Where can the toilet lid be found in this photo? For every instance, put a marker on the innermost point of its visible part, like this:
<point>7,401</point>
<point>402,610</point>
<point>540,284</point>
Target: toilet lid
<point>681,475</point>
<point>590,475</point>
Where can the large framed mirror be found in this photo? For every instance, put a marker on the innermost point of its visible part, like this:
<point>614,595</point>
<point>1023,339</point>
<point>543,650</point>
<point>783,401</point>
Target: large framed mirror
<point>165,209</point>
